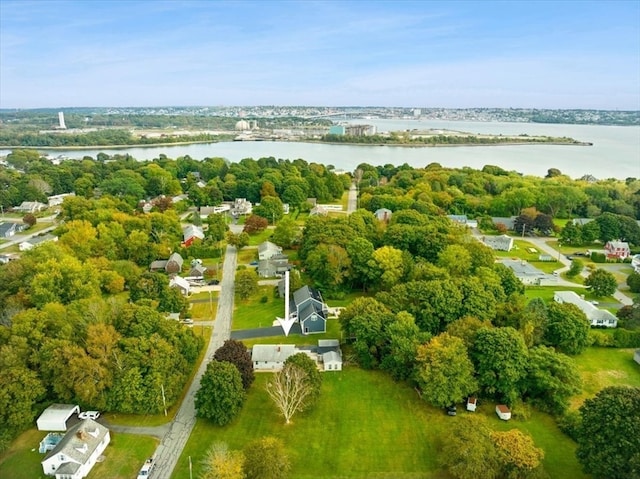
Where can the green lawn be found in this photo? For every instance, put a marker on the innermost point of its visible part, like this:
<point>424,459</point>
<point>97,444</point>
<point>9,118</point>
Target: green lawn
<point>252,313</point>
<point>603,367</point>
<point>364,425</point>
<point>124,456</point>
<point>247,255</point>
<point>256,239</point>
<point>207,310</point>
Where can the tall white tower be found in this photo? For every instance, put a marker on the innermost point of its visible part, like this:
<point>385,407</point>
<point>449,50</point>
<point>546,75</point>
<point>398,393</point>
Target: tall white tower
<point>62,126</point>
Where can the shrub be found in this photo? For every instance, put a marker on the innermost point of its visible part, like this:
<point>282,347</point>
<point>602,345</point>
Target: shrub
<point>623,338</point>
<point>264,299</point>
<point>598,257</point>
<point>570,423</point>
<point>600,339</point>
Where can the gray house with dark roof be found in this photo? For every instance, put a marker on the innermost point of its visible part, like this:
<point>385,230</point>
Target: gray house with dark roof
<point>310,309</point>
<point>275,266</point>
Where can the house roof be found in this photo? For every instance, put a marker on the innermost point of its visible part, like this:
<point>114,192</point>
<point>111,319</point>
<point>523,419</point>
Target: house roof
<point>331,356</point>
<point>273,353</point>
<point>618,244</point>
<point>41,239</point>
<point>198,268</point>
<point>6,227</point>
<point>176,258</point>
<point>79,443</point>
<point>192,231</point>
<point>268,245</point>
<point>58,412</point>
<point>305,293</point>
<point>158,264</point>
<point>179,281</point>
<point>523,268</point>
<point>589,309</point>
<point>501,240</point>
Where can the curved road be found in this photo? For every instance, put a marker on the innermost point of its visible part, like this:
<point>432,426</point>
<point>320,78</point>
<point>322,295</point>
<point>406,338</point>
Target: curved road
<point>180,428</point>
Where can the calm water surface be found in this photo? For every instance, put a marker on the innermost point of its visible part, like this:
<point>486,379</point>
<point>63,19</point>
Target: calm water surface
<point>615,152</point>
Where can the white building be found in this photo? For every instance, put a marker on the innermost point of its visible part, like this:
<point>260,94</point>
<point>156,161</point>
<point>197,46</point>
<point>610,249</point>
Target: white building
<point>595,315</point>
<point>55,417</point>
<point>271,357</point>
<point>78,451</point>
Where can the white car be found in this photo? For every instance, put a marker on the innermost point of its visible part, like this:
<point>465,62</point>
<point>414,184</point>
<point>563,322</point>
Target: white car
<point>89,415</point>
<point>146,469</point>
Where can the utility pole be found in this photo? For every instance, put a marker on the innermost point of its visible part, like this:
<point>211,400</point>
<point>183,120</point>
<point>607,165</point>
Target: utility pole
<point>164,401</point>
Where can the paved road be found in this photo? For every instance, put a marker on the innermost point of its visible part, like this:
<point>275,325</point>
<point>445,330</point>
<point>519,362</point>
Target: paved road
<point>352,202</point>
<point>19,238</point>
<point>541,244</point>
<point>180,428</point>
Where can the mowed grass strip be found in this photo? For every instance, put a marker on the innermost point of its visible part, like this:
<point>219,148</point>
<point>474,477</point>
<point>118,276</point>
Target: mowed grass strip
<point>253,313</point>
<point>124,456</point>
<point>604,367</point>
<point>363,424</point>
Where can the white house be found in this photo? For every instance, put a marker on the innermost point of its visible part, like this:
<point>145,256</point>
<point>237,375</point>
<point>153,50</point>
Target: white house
<point>180,283</point>
<point>499,243</point>
<point>56,200</point>
<point>267,249</point>
<point>271,357</point>
<point>330,354</point>
<point>55,417</point>
<point>528,274</point>
<point>595,315</point>
<point>35,241</point>
<point>77,452</point>
<point>503,412</point>
<point>30,207</point>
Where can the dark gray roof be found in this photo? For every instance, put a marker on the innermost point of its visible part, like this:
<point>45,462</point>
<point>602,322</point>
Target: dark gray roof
<point>177,258</point>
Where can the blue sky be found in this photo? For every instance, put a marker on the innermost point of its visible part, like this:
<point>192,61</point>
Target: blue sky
<point>456,54</point>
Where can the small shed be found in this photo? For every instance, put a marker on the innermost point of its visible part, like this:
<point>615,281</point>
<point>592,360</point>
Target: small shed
<point>636,356</point>
<point>503,412</point>
<point>472,403</point>
<point>55,417</point>
<point>332,361</point>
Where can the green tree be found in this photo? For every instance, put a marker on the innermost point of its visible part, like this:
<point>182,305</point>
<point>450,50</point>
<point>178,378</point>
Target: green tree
<point>567,328</point>
<point>221,394</point>
<point>312,376</point>
<point>602,283</point>
<point>518,454</point>
<point>388,266</point>
<point>266,458</point>
<point>455,259</point>
<point>444,371</point>
<point>576,268</point>
<point>270,208</point>
<point>500,357</point>
<point>286,232</point>
<point>609,434</point>
<point>246,283</point>
<point>236,353</point>
<point>403,338</point>
<point>329,265</point>
<point>239,240</point>
<point>552,379</point>
<point>469,452</point>
<point>633,281</point>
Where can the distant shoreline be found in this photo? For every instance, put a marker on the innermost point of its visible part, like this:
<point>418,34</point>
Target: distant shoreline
<point>390,145</point>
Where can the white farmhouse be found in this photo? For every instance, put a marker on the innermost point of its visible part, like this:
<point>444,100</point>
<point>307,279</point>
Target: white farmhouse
<point>77,452</point>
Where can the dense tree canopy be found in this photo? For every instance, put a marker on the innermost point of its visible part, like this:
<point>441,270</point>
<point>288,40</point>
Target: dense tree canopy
<point>609,435</point>
<point>221,394</point>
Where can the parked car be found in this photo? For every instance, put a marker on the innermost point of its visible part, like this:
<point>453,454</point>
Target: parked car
<point>146,468</point>
<point>187,321</point>
<point>214,282</point>
<point>89,415</point>
<point>254,263</point>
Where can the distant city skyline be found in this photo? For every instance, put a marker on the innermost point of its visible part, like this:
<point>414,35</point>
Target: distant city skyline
<point>556,55</point>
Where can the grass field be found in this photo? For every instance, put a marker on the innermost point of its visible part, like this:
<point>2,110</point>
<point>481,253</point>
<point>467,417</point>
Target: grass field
<point>252,313</point>
<point>256,239</point>
<point>364,425</point>
<point>333,332</point>
<point>124,456</point>
<point>602,367</point>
